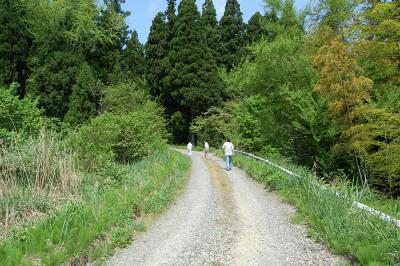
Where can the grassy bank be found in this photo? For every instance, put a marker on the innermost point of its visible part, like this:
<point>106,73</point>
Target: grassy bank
<point>364,239</point>
<point>37,176</point>
<point>107,216</point>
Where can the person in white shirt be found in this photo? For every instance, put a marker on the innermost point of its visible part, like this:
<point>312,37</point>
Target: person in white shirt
<point>229,151</point>
<point>189,148</point>
<point>206,149</point>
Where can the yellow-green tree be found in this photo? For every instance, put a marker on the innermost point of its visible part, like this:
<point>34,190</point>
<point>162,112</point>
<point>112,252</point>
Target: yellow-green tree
<point>376,139</point>
<point>346,89</point>
<point>341,81</point>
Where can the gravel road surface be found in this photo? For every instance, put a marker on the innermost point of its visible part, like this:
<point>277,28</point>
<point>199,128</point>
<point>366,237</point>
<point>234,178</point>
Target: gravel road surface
<point>225,218</point>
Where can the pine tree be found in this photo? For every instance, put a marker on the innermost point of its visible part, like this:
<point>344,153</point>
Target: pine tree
<point>133,58</point>
<point>232,30</point>
<point>156,50</point>
<point>254,28</point>
<point>84,97</point>
<point>210,24</point>
<point>193,81</point>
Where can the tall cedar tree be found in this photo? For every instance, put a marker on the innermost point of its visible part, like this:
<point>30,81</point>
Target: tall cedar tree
<point>210,24</point>
<point>15,44</point>
<point>170,15</point>
<point>84,97</point>
<point>156,50</point>
<point>254,28</point>
<point>133,58</point>
<point>193,76</point>
<point>232,31</point>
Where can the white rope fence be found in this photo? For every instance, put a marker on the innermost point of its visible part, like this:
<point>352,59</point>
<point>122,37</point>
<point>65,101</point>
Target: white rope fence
<point>357,204</point>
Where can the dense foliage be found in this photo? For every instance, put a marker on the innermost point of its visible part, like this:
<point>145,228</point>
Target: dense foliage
<point>123,132</point>
<point>320,86</point>
<point>19,116</point>
<point>327,97</point>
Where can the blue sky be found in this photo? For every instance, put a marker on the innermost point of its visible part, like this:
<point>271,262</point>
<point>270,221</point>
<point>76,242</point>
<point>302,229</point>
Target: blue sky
<point>143,12</point>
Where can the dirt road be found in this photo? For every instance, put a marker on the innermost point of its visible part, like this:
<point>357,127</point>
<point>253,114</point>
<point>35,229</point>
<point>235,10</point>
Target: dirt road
<point>225,218</point>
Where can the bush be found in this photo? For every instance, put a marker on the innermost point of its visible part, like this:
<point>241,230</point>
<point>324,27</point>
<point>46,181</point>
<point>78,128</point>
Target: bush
<point>16,115</point>
<point>122,137</point>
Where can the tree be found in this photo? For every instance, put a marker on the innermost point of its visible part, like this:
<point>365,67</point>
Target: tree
<point>108,54</point>
<point>84,98</point>
<point>15,44</point>
<point>52,81</point>
<point>345,88</point>
<point>125,97</point>
<point>340,81</point>
<point>378,52</point>
<point>232,30</point>
<point>193,83</point>
<point>62,34</point>
<point>133,58</point>
<point>156,50</point>
<point>170,15</point>
<point>210,24</point>
<point>281,18</point>
<point>375,137</point>
<point>254,28</point>
<point>334,14</point>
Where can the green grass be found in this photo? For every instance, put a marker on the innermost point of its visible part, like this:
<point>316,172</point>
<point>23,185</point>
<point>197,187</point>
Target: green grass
<point>106,218</point>
<point>363,238</point>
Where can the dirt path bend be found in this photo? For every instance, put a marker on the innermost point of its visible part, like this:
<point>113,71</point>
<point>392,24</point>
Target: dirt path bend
<point>225,218</point>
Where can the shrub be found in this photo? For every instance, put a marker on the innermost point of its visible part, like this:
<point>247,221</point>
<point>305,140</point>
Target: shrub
<point>122,137</point>
<point>16,115</point>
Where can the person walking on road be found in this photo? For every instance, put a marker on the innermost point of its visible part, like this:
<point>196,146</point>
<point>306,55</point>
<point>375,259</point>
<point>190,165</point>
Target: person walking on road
<point>189,148</point>
<point>229,150</point>
<point>206,149</point>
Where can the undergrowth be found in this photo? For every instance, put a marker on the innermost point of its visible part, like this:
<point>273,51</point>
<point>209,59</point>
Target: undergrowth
<point>363,238</point>
<point>107,216</point>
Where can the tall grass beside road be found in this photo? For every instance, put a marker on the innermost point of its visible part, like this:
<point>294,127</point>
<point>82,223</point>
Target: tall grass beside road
<point>36,174</point>
<point>332,219</point>
<point>106,217</point>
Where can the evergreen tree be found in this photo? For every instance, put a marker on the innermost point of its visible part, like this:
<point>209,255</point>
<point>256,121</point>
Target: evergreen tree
<point>59,48</point>
<point>210,24</point>
<point>232,32</point>
<point>84,97</point>
<point>15,43</point>
<point>133,57</point>
<point>170,15</point>
<point>52,81</point>
<point>109,53</point>
<point>156,50</point>
<point>254,28</point>
<point>193,76</point>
